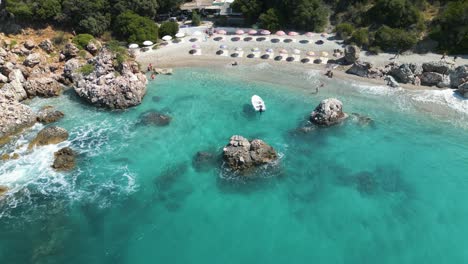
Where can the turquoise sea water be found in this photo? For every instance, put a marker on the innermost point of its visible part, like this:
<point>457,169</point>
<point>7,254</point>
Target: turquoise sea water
<point>394,191</point>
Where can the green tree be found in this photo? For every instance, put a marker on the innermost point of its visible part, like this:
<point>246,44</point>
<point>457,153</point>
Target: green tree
<point>251,9</point>
<point>90,16</point>
<point>146,8</point>
<point>135,28</point>
<point>361,37</point>
<point>451,27</point>
<point>20,9</point>
<point>394,39</point>
<point>196,19</point>
<point>270,20</point>
<point>82,40</point>
<point>344,30</point>
<point>395,13</point>
<point>168,5</point>
<point>169,28</point>
<point>48,9</point>
<point>310,15</point>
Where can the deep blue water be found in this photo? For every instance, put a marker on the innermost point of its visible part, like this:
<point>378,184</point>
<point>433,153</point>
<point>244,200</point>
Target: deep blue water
<point>393,191</point>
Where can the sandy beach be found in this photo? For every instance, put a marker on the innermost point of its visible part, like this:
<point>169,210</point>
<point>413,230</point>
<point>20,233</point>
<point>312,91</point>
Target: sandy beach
<point>175,55</point>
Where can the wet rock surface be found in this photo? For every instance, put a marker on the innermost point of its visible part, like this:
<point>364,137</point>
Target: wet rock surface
<point>154,118</point>
<point>64,159</point>
<point>43,87</point>
<point>49,135</point>
<point>49,115</point>
<point>241,154</point>
<point>14,117</point>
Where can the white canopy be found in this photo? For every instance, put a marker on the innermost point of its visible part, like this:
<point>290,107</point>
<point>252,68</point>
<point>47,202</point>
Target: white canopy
<point>147,43</point>
<point>167,38</point>
<point>133,46</point>
<point>180,35</point>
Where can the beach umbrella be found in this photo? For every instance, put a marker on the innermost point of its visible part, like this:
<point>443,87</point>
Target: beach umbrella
<point>223,47</point>
<point>147,43</point>
<point>324,54</point>
<point>280,33</point>
<point>222,32</point>
<point>311,53</point>
<point>293,33</point>
<point>240,32</point>
<point>296,51</point>
<point>269,50</point>
<point>197,33</point>
<point>166,38</point>
<point>195,46</point>
<point>180,35</point>
<point>238,49</point>
<point>133,46</point>
<point>283,51</point>
<point>265,32</point>
<point>252,32</point>
<point>309,34</point>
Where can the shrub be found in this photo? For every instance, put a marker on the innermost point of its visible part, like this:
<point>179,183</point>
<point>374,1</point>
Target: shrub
<point>82,40</point>
<point>375,50</point>
<point>394,39</point>
<point>120,52</point>
<point>86,69</point>
<point>168,28</point>
<point>361,37</point>
<point>196,19</point>
<point>310,15</point>
<point>135,28</point>
<point>344,30</point>
<point>395,13</point>
<point>59,38</point>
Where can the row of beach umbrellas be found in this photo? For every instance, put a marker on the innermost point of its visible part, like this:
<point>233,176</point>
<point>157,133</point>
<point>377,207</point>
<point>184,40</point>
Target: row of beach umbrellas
<point>148,43</point>
<point>269,50</point>
<point>267,32</point>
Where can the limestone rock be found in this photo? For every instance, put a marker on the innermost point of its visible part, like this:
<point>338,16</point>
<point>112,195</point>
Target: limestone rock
<point>14,117</point>
<point>463,89</point>
<point>442,67</point>
<point>42,87</point>
<point>13,90</point>
<point>29,44</point>
<point>110,87</point>
<point>433,78</point>
<point>459,76</point>
<point>49,115</point>
<point>70,51</point>
<point>32,60</point>
<point>391,81</point>
<point>351,54</point>
<point>64,159</point>
<point>16,75</point>
<point>49,135</point>
<point>404,72</point>
<point>241,155</point>
<point>329,112</point>
<point>46,45</point>
<point>93,47</point>
<point>71,66</point>
<point>360,69</point>
<point>3,78</point>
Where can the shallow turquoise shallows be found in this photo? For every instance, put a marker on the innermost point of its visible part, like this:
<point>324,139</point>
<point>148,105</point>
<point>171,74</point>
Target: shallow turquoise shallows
<point>392,191</point>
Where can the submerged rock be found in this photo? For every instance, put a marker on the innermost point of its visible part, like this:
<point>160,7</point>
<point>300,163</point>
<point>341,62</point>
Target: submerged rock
<point>163,71</point>
<point>241,155</point>
<point>155,119</point>
<point>64,159</point>
<point>49,135</point>
<point>204,160</point>
<point>329,112</point>
<point>49,115</point>
<point>362,120</point>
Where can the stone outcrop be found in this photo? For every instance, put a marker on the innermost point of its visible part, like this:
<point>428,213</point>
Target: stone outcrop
<point>16,75</point>
<point>364,69</point>
<point>93,47</point>
<point>49,115</point>
<point>434,79</point>
<point>459,76</point>
<point>463,89</point>
<point>46,45</point>
<point>442,67</point>
<point>406,72</point>
<point>29,44</point>
<point>109,87</point>
<point>3,78</point>
<point>14,117</point>
<point>13,90</point>
<point>242,155</point>
<point>329,112</point>
<point>390,81</point>
<point>64,159</point>
<point>351,54</point>
<point>42,87</point>
<point>70,67</point>
<point>32,60</point>
<point>49,135</point>
<point>70,51</point>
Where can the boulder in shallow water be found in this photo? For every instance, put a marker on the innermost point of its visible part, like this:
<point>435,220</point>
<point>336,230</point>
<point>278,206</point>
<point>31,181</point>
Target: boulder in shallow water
<point>459,76</point>
<point>241,154</point>
<point>49,115</point>
<point>153,118</point>
<point>463,89</point>
<point>362,120</point>
<point>433,78</point>
<point>3,190</point>
<point>64,159</point>
<point>49,135</point>
<point>403,73</point>
<point>329,112</point>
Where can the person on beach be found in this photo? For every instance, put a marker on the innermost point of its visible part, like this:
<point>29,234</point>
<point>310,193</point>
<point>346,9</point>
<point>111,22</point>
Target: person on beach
<point>234,63</point>
<point>329,74</point>
<point>444,55</point>
<point>455,58</point>
<point>150,67</point>
<point>417,81</point>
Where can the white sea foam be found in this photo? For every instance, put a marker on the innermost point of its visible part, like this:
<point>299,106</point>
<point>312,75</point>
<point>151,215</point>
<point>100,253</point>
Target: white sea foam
<point>444,97</point>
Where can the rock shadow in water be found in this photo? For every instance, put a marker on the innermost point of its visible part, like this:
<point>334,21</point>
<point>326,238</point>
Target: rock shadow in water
<point>170,187</point>
<point>156,99</point>
<point>206,161</point>
<point>154,118</point>
<point>248,111</point>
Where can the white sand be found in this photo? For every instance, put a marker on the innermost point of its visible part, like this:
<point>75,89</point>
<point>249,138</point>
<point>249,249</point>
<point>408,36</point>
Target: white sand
<point>177,55</point>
